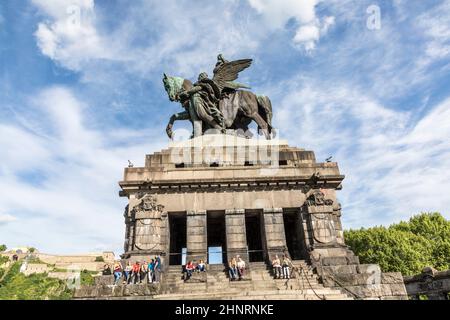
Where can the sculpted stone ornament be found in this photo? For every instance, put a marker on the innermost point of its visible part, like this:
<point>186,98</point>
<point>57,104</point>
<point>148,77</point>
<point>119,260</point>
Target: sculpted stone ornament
<point>147,215</point>
<point>317,198</point>
<point>148,203</point>
<point>324,230</point>
<point>219,103</point>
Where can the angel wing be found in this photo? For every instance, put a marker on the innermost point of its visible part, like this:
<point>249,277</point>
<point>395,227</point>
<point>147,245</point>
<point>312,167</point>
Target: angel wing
<point>229,71</point>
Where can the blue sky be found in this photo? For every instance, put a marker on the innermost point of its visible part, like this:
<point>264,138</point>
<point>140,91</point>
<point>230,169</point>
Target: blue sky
<point>81,93</point>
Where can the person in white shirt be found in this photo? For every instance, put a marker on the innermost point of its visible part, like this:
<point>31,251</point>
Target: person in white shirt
<point>240,267</point>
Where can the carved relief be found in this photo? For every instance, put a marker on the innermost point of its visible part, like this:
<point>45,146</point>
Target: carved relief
<point>337,223</point>
<point>148,203</point>
<point>321,215</point>
<point>148,223</point>
<point>337,210</point>
<point>317,198</point>
<point>324,230</point>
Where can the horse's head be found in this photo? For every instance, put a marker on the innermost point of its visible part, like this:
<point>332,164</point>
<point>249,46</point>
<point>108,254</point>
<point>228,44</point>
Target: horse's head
<point>173,86</point>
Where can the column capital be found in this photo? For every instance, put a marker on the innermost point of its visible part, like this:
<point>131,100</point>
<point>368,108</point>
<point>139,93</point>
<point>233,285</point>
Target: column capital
<point>234,211</point>
<point>272,210</point>
<point>196,213</point>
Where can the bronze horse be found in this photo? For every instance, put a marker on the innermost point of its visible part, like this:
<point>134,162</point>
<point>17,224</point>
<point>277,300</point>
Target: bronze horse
<point>239,108</point>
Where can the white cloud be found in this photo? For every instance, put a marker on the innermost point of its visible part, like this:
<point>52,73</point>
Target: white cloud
<point>59,176</point>
<point>70,35</point>
<point>183,34</point>
<point>435,25</point>
<point>394,167</point>
<point>277,13</point>
<point>6,218</point>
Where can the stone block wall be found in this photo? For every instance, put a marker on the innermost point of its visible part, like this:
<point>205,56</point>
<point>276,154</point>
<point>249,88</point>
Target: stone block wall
<point>275,238</point>
<point>197,244</point>
<point>430,284</point>
<point>236,234</point>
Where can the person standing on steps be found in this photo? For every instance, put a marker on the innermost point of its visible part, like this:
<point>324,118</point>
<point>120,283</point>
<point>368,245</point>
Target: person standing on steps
<point>158,268</point>
<point>151,271</point>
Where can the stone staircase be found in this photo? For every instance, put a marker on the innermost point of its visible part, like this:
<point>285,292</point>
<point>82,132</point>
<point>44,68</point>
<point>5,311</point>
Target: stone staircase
<point>258,284</point>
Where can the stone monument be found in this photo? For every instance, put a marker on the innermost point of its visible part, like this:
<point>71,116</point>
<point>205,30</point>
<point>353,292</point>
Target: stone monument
<point>221,194</point>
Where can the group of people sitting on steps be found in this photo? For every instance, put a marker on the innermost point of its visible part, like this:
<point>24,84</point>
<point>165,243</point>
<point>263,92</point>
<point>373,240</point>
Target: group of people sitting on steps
<point>192,266</point>
<point>281,268</point>
<point>145,272</point>
<point>151,272</point>
<point>236,268</point>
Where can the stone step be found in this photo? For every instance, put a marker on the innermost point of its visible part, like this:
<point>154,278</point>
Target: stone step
<point>268,294</point>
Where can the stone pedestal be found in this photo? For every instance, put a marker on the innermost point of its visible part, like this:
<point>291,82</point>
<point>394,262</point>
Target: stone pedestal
<point>236,177</point>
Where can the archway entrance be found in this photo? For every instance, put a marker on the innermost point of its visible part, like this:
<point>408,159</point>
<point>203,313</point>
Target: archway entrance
<point>216,235</point>
<point>178,238</point>
<point>253,227</point>
<point>293,230</point>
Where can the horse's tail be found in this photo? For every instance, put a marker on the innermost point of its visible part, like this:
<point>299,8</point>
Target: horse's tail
<point>265,109</point>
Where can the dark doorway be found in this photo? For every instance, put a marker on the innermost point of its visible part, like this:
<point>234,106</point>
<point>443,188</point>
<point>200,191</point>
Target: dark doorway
<point>294,234</point>
<point>217,241</point>
<point>177,225</point>
<point>254,240</point>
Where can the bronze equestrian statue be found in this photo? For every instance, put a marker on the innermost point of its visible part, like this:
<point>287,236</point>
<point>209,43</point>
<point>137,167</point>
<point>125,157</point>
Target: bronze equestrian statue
<point>219,103</point>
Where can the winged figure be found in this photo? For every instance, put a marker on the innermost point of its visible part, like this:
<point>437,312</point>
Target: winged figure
<point>219,103</point>
<point>226,72</point>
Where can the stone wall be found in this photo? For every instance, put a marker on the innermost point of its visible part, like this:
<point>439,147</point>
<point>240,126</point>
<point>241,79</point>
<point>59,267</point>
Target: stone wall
<point>430,284</point>
<point>71,262</point>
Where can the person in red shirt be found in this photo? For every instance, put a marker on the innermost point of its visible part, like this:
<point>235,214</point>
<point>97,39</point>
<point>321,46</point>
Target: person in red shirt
<point>136,272</point>
<point>189,269</point>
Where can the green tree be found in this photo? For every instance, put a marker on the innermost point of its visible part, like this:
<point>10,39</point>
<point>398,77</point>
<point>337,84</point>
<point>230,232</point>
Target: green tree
<point>2,247</point>
<point>86,277</point>
<point>406,247</point>
<point>17,286</point>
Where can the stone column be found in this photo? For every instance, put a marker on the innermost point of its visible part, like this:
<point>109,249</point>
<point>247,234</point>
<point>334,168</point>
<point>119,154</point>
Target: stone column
<point>275,237</point>
<point>197,244</point>
<point>236,234</point>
